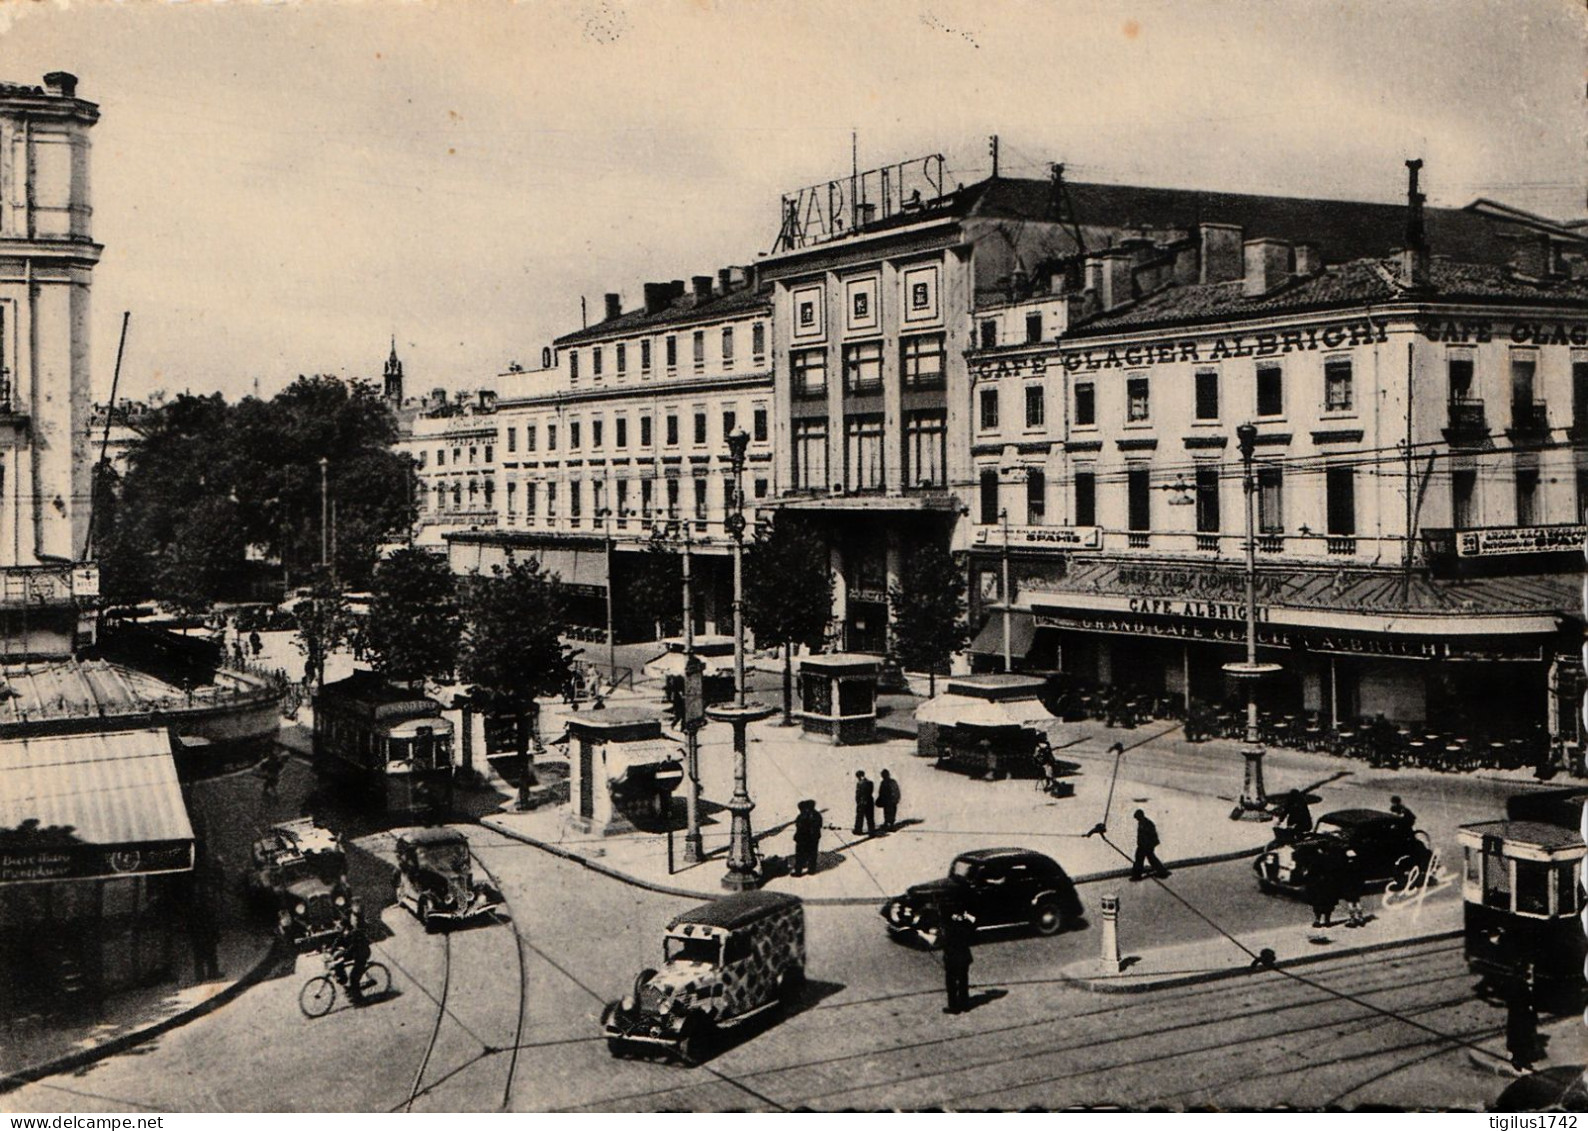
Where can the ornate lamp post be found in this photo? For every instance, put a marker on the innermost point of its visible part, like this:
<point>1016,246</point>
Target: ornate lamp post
<point>744,866</point>
<point>1253,804</point>
<point>691,718</point>
<point>605,515</point>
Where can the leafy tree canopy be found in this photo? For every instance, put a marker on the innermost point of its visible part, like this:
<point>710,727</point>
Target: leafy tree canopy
<point>929,609</point>
<point>788,584</point>
<point>415,623</point>
<point>511,647</point>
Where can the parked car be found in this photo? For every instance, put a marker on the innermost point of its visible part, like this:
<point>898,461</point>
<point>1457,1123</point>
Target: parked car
<point>435,878</point>
<point>725,963</point>
<point>999,887</point>
<point>300,869</point>
<point>1387,848</point>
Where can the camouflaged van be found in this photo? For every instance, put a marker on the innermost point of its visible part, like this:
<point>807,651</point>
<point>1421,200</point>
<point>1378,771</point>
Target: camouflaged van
<point>726,962</point>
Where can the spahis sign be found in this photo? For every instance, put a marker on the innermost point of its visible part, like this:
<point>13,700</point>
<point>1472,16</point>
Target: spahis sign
<point>1266,343</point>
<point>1065,537</point>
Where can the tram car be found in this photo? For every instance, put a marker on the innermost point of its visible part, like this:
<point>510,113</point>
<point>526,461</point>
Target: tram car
<point>1522,885</point>
<point>386,741</point>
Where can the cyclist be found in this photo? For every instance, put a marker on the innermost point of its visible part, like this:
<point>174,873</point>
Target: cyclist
<point>350,953</point>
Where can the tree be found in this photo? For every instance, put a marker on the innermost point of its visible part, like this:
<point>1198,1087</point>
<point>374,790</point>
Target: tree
<point>788,592</point>
<point>323,624</point>
<point>511,648</point>
<point>414,620</point>
<point>929,623</point>
<point>653,585</point>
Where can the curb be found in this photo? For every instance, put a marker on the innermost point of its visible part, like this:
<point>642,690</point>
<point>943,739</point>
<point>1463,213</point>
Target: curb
<point>74,1060</point>
<point>817,900</point>
<point>1105,985</point>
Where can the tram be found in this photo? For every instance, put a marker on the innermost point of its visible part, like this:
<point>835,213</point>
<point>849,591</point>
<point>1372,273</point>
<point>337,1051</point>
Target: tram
<point>386,741</point>
<point>1522,885</point>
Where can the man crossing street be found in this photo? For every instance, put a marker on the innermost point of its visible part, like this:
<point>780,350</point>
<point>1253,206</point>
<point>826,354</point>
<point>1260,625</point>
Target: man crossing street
<point>1146,848</point>
<point>955,935</point>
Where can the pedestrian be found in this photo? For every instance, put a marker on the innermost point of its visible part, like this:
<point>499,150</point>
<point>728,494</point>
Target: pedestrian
<point>270,771</point>
<point>1146,848</point>
<point>888,797</point>
<point>1295,818</point>
<point>954,934</point>
<point>237,652</point>
<point>865,804</point>
<point>807,836</point>
<point>256,644</point>
<point>989,757</point>
<point>1352,884</point>
<point>1323,889</point>
<point>1407,817</point>
<point>1521,1021</point>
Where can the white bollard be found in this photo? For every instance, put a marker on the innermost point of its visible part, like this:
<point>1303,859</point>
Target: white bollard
<point>1110,961</point>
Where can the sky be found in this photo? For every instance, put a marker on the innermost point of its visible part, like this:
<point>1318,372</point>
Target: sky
<point>282,187</point>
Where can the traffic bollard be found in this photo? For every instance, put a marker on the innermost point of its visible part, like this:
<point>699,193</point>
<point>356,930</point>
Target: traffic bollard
<point>1111,961</point>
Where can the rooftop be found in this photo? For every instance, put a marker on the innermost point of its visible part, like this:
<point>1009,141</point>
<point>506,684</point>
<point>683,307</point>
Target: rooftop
<point>681,310</point>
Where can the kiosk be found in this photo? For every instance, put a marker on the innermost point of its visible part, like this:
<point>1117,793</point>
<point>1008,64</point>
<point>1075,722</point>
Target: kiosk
<point>838,697</point>
<point>621,770</point>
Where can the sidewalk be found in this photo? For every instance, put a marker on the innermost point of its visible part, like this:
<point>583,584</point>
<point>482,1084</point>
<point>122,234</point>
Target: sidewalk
<point>1211,959</point>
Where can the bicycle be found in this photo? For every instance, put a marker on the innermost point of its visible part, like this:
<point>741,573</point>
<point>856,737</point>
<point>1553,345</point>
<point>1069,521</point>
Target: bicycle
<point>318,994</point>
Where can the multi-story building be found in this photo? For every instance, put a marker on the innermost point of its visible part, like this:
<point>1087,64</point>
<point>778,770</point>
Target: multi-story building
<point>624,429</point>
<point>1418,487</point>
<point>453,444</point>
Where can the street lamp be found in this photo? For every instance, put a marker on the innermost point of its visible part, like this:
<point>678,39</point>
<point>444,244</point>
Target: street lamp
<point>694,850</point>
<point>605,515</point>
<point>744,868</point>
<point>1253,804</point>
<point>1009,666</point>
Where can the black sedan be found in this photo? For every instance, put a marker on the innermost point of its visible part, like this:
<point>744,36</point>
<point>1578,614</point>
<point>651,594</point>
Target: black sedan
<point>1384,846</point>
<point>999,887</point>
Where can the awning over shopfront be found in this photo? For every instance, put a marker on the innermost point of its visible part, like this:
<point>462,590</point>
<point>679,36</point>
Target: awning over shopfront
<point>1022,632</point>
<point>963,710</point>
<point>576,568</point>
<point>91,806</point>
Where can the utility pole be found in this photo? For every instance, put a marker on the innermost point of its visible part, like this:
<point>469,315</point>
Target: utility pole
<point>1009,666</point>
<point>694,670</point>
<point>993,148</point>
<point>1253,804</point>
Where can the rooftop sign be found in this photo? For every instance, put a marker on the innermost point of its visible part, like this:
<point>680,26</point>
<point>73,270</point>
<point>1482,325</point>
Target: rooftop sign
<point>832,209</point>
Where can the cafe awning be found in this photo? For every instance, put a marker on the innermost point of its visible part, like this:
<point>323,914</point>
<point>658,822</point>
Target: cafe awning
<point>964,710</point>
<point>1022,631</point>
<point>91,806</point>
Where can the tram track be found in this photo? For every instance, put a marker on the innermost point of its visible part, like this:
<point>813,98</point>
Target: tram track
<point>441,1017</point>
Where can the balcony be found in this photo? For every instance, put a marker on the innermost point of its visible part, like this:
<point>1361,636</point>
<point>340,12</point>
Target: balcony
<point>1270,543</point>
<point>1138,539</point>
<point>1341,546</point>
<point>1529,421</point>
<point>1208,543</point>
<point>1468,422</point>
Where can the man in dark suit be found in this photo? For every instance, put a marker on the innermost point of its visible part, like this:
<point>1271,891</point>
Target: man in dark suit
<point>955,935</point>
<point>1146,848</point>
<point>865,804</point>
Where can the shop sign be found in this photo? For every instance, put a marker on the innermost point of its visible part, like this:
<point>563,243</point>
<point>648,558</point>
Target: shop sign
<point>1265,343</point>
<point>1197,610</point>
<point>826,211</point>
<point>992,370</point>
<point>875,596</point>
<point>1206,583</point>
<point>1058,537</point>
<point>22,865</point>
<point>1467,331</point>
<point>1519,540</point>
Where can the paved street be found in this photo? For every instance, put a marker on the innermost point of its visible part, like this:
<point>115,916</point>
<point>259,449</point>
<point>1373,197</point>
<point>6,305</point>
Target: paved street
<point>868,1032</point>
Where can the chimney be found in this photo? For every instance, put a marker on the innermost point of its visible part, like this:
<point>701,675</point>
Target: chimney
<point>438,395</point>
<point>1186,265</point>
<point>702,284</point>
<point>724,280</point>
<point>1221,252</point>
<point>1415,258</point>
<point>675,289</point>
<point>1309,260</point>
<point>62,84</point>
<point>1267,266</point>
<point>657,296</point>
<point>487,399</point>
<point>614,306</point>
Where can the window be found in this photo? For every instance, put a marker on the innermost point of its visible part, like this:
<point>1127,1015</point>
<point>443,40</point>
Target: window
<point>473,454</point>
<point>1036,497</point>
<point>1207,500</point>
<point>595,362</point>
<point>645,498</point>
<point>529,438</point>
<point>1337,385</point>
<point>810,455</point>
<point>921,362</point>
<point>1138,406</point>
<point>730,421</point>
<point>1270,390</point>
<point>1340,489</point>
<point>441,457</point>
<point>1207,394</point>
<point>727,347</point>
<point>1460,373</point>
<point>1270,500</point>
<point>989,334</point>
<point>863,463</point>
<point>1034,327</point>
<point>672,497</point>
<point>758,339</point>
<point>1527,496</point>
<point>926,448</point>
<point>762,486</point>
<point>1085,403</point>
<point>1464,499</point>
<point>989,495</point>
<point>512,497</point>
<point>1138,491</point>
<point>700,499</point>
<point>598,497</point>
<point>808,368</point>
<point>573,365</point>
<point>645,356</point>
<point>700,428</point>
<point>863,367</point>
<point>573,435</point>
<point>759,433</point>
<point>620,432</point>
<point>531,498</point>
<point>575,500</point>
<point>512,439</point>
<point>1582,494</point>
<point>623,358</point>
<point>698,348</point>
<point>1036,409</point>
<point>989,408</point>
<point>596,430</point>
<point>1523,369</point>
<point>490,453</point>
<point>672,430</point>
<point>1085,498</point>
<point>623,499</point>
<point>424,459</point>
<point>645,431</point>
<point>1579,394</point>
<point>551,500</point>
<point>672,352</point>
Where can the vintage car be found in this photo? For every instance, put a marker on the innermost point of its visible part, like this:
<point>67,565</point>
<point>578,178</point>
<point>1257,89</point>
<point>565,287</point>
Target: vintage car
<point>435,878</point>
<point>725,962</point>
<point>1386,848</point>
<point>998,887</point>
<point>300,869</point>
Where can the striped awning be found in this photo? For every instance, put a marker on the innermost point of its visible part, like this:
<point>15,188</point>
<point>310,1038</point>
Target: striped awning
<point>87,806</point>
